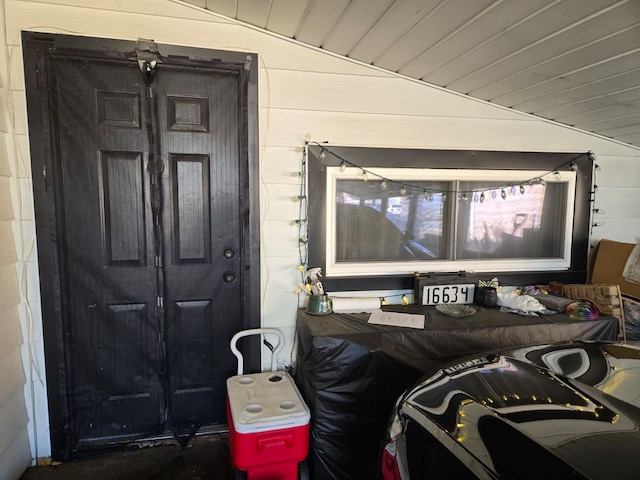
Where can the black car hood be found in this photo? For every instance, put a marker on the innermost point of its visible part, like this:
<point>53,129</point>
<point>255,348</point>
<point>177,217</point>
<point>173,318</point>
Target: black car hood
<point>578,401</point>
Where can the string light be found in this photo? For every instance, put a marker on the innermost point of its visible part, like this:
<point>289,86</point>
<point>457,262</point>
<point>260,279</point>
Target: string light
<point>344,163</point>
<point>302,221</point>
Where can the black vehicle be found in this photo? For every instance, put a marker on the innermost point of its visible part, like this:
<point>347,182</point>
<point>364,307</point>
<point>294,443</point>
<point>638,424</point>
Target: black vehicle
<point>561,411</point>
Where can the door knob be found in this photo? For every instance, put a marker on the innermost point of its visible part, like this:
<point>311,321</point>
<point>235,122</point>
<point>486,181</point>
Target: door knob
<point>229,277</point>
<point>228,253</point>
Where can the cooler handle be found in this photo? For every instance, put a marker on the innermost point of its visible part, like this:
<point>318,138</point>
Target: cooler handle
<point>258,331</point>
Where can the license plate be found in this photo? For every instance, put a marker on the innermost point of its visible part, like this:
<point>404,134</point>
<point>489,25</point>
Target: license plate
<point>435,294</point>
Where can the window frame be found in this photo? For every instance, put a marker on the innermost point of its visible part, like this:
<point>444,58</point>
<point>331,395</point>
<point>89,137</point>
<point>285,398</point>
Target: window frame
<point>320,157</point>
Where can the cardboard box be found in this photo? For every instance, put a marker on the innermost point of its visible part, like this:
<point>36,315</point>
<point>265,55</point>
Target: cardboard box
<point>607,263</point>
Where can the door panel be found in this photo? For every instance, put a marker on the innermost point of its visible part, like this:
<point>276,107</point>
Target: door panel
<point>124,363</point>
<point>204,221</point>
<point>147,218</point>
<point>110,273</point>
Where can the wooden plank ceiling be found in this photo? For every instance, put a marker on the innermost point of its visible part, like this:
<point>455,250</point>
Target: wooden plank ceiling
<point>573,61</point>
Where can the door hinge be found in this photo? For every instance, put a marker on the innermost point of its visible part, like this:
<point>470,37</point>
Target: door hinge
<point>158,261</point>
<point>160,302</point>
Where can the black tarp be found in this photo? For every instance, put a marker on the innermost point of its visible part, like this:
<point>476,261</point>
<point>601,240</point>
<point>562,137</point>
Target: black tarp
<point>351,372</point>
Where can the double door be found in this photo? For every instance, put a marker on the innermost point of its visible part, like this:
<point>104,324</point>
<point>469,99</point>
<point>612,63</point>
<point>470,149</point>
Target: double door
<point>149,243</point>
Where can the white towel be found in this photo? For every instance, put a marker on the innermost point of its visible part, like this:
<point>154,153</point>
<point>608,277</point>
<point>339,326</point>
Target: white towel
<point>631,272</point>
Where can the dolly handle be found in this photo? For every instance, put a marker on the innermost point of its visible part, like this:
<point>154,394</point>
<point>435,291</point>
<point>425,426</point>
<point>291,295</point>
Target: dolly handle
<point>257,331</point>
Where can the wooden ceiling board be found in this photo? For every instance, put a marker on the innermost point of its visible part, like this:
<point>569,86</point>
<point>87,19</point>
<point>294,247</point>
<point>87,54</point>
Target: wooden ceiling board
<point>445,20</point>
<point>285,15</point>
<point>318,20</point>
<point>398,19</point>
<point>613,76</point>
<point>358,18</point>
<point>574,49</point>
<point>573,61</point>
<point>626,130</point>
<point>620,98</point>
<point>464,76</point>
<point>599,124</point>
<point>632,139</point>
<point>484,28</point>
<point>223,7</point>
<point>254,12</point>
<point>611,111</point>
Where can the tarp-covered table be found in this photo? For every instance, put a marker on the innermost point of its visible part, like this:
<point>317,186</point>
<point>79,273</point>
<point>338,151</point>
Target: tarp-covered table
<point>350,372</point>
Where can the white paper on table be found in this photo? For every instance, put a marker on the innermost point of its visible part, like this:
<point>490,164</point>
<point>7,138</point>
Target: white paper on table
<point>378,317</point>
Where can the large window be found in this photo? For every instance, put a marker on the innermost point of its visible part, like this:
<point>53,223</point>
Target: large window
<point>447,211</point>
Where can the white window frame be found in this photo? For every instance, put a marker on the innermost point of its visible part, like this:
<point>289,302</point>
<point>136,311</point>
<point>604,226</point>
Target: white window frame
<point>415,175</point>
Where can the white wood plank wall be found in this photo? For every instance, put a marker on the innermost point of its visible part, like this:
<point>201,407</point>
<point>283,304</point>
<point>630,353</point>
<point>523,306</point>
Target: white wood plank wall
<point>305,90</point>
<point>15,453</point>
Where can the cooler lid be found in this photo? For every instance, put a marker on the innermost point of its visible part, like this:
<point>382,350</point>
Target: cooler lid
<point>265,401</point>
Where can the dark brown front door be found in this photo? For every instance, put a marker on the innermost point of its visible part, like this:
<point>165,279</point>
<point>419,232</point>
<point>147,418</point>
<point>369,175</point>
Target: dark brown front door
<point>150,253</point>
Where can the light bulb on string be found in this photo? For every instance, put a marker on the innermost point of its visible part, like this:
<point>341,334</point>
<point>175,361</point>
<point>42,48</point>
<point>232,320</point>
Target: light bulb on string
<point>494,194</point>
<point>522,189</point>
<point>475,197</point>
<point>482,197</point>
<point>323,155</point>
<point>573,166</point>
<point>556,173</point>
<point>405,300</point>
<point>597,167</point>
<point>383,301</point>
<point>298,198</point>
<point>443,197</point>
<point>383,184</point>
<point>403,190</point>
<point>300,268</point>
<point>513,189</point>
<point>503,194</point>
<point>428,196</point>
<point>343,166</point>
<point>365,178</point>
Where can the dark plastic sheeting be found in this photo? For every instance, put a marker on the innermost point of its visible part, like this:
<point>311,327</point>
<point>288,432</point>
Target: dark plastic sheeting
<point>350,372</point>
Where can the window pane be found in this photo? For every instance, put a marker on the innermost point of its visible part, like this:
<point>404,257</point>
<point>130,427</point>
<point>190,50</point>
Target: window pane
<point>376,222</point>
<point>520,225</point>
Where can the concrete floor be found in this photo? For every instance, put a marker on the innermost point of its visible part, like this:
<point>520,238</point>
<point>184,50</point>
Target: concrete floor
<point>204,458</point>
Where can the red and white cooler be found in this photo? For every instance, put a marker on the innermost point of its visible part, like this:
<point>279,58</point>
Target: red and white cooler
<point>268,419</point>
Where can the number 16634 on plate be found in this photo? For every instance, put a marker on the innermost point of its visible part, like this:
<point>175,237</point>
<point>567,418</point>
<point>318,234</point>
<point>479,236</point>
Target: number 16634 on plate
<point>435,294</point>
